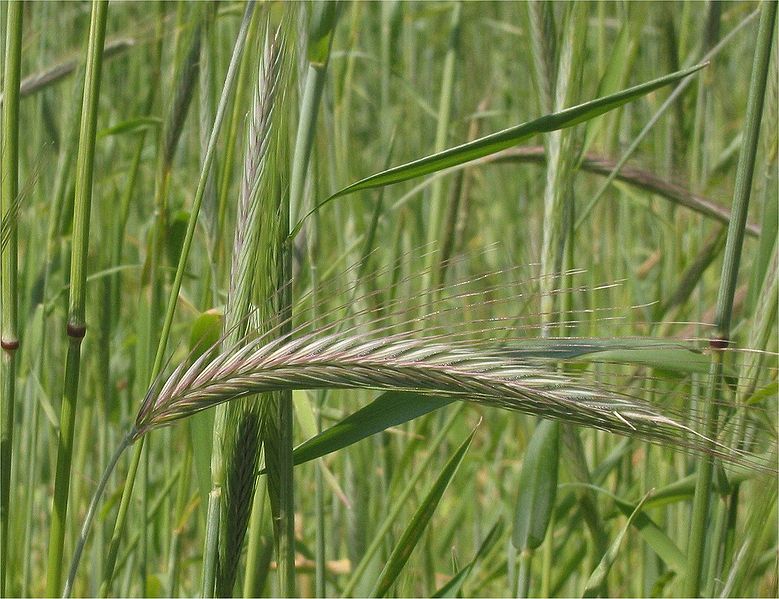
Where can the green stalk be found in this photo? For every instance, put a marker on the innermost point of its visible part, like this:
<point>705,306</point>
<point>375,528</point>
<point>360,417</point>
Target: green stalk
<point>434,224</point>
<point>732,259</point>
<point>320,41</point>
<point>240,42</point>
<point>76,327</point>
<point>523,577</point>
<point>8,299</point>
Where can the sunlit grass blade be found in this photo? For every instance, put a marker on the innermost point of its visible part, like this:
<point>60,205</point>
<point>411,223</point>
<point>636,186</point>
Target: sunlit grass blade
<point>507,138</point>
<point>418,523</point>
<point>389,409</point>
<point>601,571</point>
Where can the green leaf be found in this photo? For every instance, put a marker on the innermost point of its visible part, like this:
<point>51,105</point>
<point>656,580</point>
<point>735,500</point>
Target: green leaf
<point>537,486</point>
<point>389,409</point>
<point>670,359</point>
<point>598,575</point>
<point>454,587</point>
<point>419,521</point>
<point>566,349</point>
<point>136,125</point>
<point>204,333</point>
<point>507,138</point>
<point>323,22</point>
<point>670,356</point>
<point>660,542</point>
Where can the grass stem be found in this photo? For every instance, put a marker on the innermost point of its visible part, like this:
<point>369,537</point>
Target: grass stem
<point>9,340</point>
<point>730,268</point>
<point>76,327</point>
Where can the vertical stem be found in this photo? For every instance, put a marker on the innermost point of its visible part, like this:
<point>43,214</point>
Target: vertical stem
<point>76,327</point>
<point>733,246</point>
<point>320,41</point>
<point>178,278</point>
<point>8,299</point>
<point>442,130</point>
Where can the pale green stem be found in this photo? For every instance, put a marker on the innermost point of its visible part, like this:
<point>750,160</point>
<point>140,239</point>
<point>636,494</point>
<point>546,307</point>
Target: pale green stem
<point>179,276</point>
<point>8,269</point>
<point>730,267</point>
<point>442,131</point>
<point>76,327</point>
<point>523,578</point>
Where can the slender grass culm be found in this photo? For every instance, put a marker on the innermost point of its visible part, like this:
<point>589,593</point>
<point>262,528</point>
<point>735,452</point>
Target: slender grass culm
<point>9,301</point>
<point>730,268</point>
<point>76,326</point>
<point>398,299</point>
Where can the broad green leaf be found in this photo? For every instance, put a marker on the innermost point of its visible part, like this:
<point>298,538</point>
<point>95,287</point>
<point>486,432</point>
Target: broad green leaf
<point>595,582</point>
<point>419,521</point>
<point>670,359</point>
<point>204,333</point>
<point>507,138</point>
<point>323,22</point>
<point>389,409</point>
<point>537,486</point>
<point>671,356</point>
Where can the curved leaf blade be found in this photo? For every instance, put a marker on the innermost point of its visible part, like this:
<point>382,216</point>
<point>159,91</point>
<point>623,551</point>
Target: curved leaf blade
<point>419,521</point>
<point>389,409</point>
<point>506,138</point>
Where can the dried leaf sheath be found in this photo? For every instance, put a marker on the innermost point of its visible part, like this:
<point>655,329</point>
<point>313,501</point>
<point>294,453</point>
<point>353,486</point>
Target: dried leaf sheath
<point>478,375</point>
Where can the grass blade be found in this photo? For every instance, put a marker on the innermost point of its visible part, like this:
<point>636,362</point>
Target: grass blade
<point>506,138</point>
<point>595,581</point>
<point>419,522</point>
<point>389,409</point>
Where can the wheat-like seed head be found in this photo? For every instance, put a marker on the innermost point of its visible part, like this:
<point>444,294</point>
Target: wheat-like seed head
<point>430,367</point>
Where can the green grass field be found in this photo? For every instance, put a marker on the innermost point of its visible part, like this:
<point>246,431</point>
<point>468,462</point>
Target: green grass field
<point>389,299</point>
